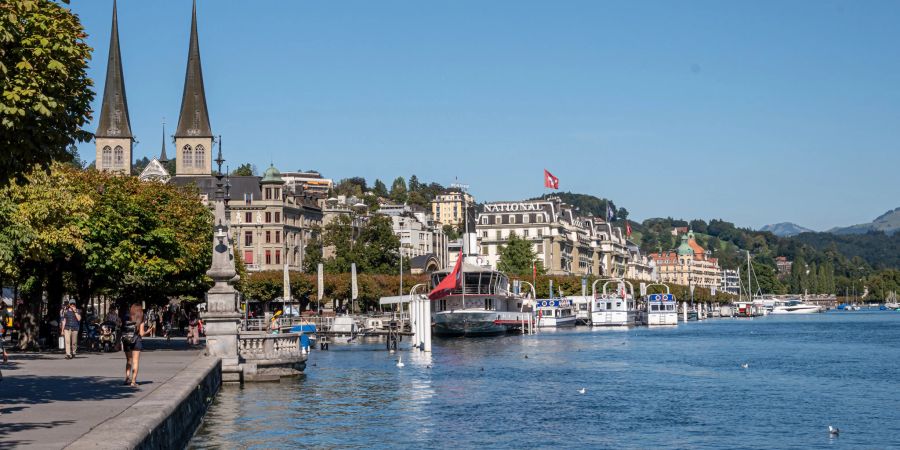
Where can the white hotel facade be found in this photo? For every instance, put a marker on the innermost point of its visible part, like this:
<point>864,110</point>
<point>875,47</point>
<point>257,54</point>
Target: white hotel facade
<point>565,243</point>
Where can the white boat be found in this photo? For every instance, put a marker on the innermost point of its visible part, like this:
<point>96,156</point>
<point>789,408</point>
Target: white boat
<point>661,310</point>
<point>555,312</point>
<point>482,305</point>
<point>795,307</point>
<point>582,306</point>
<point>615,309</point>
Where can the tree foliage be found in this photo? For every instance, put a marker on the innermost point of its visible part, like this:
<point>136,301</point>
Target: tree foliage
<point>46,91</point>
<point>399,192</point>
<point>244,170</point>
<point>517,257</point>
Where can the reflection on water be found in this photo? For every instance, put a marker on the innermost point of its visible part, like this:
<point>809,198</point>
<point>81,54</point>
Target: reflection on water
<point>675,387</point>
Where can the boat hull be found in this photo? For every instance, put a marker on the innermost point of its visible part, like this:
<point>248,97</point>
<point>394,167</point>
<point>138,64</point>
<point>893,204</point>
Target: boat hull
<point>553,322</point>
<point>662,319</point>
<point>613,318</point>
<point>475,323</point>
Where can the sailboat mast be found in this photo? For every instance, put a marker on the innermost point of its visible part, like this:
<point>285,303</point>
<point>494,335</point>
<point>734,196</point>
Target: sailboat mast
<point>749,287</point>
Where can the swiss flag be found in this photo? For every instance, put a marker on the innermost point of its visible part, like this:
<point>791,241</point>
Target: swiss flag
<point>627,228</point>
<point>452,281</point>
<point>550,181</point>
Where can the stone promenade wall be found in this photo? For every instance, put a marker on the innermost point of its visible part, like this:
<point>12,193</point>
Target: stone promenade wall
<point>165,419</point>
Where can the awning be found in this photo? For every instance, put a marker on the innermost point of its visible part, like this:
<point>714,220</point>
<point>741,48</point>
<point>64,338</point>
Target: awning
<point>393,300</point>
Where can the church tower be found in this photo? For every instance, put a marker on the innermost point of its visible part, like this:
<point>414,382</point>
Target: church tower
<point>193,137</point>
<point>113,137</point>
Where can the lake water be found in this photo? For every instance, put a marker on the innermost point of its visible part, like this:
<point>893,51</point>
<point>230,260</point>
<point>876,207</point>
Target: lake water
<point>645,388</point>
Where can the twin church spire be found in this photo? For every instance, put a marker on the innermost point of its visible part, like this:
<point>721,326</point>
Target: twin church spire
<point>193,136</point>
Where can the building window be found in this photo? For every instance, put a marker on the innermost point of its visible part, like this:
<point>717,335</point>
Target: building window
<point>248,217</point>
<point>268,237</point>
<point>277,256</point>
<point>512,218</point>
<point>248,256</point>
<point>268,217</point>
<point>277,194</point>
<point>268,257</point>
<point>525,232</point>
<point>187,155</point>
<point>540,248</point>
<point>484,234</point>
<point>107,157</point>
<point>484,220</point>
<point>540,232</point>
<point>248,238</point>
<point>526,218</point>
<point>277,236</point>
<point>119,156</point>
<point>539,218</point>
<point>277,216</point>
<point>268,193</point>
<point>499,235</point>
<point>199,156</point>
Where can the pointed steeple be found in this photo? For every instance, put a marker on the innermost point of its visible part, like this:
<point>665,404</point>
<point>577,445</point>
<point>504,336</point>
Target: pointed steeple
<point>162,154</point>
<point>193,121</point>
<point>114,120</point>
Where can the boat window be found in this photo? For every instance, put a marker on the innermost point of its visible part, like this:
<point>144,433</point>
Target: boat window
<point>654,307</point>
<point>608,305</point>
<point>488,303</point>
<point>618,304</point>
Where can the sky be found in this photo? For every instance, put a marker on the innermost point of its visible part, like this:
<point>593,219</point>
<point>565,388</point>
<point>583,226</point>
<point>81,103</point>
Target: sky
<point>755,112</point>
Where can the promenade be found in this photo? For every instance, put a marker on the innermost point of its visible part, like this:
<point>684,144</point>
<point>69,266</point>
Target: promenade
<point>47,401</point>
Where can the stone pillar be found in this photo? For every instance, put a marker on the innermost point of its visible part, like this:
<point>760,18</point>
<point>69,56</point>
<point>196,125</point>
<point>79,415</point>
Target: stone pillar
<point>222,318</point>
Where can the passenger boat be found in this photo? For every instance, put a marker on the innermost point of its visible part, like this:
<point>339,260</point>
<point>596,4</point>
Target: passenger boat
<point>483,305</point>
<point>582,306</point>
<point>616,309</point>
<point>661,310</point>
<point>555,312</point>
<point>795,307</point>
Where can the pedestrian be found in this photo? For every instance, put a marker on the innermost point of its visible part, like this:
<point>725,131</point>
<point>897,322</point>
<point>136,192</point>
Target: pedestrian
<point>151,322</point>
<point>194,329</point>
<point>132,343</point>
<point>2,348</point>
<point>71,323</point>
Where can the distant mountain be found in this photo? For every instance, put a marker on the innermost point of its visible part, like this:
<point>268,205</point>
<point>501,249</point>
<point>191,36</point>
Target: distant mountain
<point>785,229</point>
<point>888,222</point>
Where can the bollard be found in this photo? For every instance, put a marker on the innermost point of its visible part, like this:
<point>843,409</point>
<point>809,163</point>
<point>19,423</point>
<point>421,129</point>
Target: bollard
<point>426,313</point>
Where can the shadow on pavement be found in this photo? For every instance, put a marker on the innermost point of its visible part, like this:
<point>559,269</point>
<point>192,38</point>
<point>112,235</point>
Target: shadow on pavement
<point>12,428</point>
<point>30,389</point>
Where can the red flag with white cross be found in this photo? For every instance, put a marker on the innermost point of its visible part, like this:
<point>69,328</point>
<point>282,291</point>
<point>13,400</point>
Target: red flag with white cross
<point>550,181</point>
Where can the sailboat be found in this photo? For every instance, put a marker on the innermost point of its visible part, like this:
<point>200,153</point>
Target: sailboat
<point>891,301</point>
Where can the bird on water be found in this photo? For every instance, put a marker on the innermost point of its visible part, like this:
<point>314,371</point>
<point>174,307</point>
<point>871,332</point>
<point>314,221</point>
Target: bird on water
<point>582,391</point>
<point>834,431</point>
<point>400,362</point>
<point>745,365</point>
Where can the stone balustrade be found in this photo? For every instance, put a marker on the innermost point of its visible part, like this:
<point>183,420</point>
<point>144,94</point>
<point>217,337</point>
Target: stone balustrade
<point>257,346</point>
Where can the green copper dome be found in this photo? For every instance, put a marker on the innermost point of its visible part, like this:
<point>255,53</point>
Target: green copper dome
<point>272,176</point>
<point>685,249</point>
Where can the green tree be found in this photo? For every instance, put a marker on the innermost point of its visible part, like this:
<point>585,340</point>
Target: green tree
<point>517,257</point>
<point>398,190</point>
<point>378,249</point>
<point>46,99</point>
<point>451,232</point>
<point>244,170</point>
<point>312,254</point>
<point>414,185</point>
<point>380,189</point>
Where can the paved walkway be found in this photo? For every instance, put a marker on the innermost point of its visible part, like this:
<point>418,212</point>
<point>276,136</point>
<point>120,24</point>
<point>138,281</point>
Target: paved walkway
<point>47,401</point>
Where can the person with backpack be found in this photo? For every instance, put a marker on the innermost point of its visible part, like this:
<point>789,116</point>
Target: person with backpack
<point>71,324</point>
<point>132,343</point>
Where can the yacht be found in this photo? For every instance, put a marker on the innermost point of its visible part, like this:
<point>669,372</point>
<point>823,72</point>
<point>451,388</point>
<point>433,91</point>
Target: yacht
<point>795,307</point>
<point>615,308</point>
<point>661,310</point>
<point>555,312</point>
<point>483,305</point>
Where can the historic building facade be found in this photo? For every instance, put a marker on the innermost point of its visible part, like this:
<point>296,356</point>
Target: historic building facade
<point>688,265</point>
<point>565,243</point>
<point>450,208</point>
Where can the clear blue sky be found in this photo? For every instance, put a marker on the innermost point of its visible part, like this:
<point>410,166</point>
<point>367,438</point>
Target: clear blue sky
<point>756,112</point>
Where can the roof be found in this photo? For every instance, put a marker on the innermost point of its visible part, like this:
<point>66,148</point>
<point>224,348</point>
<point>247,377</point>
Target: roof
<point>207,185</point>
<point>685,248</point>
<point>162,153</point>
<point>193,120</point>
<point>114,120</point>
<point>421,261</point>
<point>272,176</point>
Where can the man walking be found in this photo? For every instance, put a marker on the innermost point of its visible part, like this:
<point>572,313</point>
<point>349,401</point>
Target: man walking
<point>70,325</point>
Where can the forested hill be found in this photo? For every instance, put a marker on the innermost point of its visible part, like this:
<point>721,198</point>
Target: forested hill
<point>878,249</point>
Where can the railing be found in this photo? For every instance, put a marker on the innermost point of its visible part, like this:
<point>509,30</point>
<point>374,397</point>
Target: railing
<point>255,347</point>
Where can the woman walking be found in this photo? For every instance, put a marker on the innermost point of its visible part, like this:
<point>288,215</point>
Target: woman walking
<point>194,330</point>
<point>132,343</point>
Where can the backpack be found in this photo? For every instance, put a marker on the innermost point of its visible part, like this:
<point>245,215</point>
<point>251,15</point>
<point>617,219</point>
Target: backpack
<point>129,334</point>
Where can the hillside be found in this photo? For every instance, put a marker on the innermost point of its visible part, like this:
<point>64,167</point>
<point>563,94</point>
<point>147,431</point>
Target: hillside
<point>785,229</point>
<point>876,248</point>
<point>888,222</point>
<point>587,204</point>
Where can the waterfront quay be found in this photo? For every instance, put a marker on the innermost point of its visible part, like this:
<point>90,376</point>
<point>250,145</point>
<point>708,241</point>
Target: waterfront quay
<point>49,402</point>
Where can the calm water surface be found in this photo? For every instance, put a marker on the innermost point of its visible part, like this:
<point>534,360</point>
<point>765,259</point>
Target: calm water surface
<point>645,388</point>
